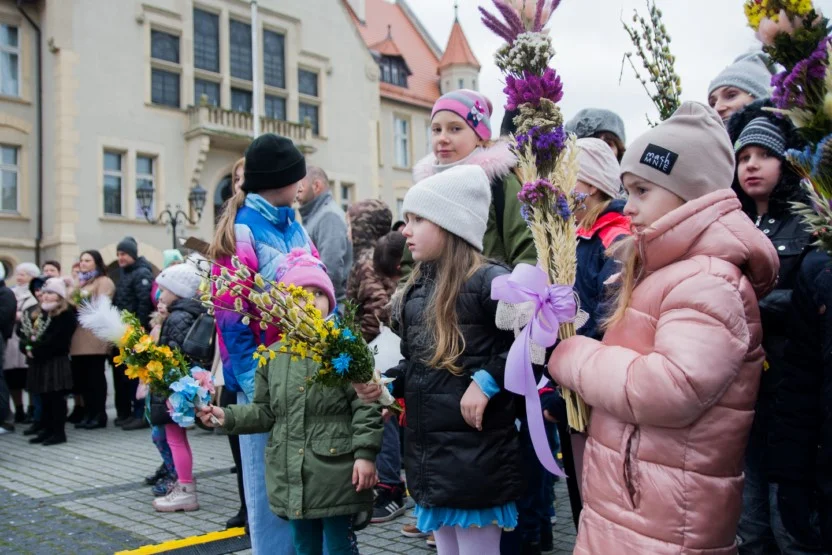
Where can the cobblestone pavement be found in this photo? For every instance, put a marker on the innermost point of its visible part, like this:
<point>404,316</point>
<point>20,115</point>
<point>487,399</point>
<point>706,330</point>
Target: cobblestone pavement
<point>86,496</point>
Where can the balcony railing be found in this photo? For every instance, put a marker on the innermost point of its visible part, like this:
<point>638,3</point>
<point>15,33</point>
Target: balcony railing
<point>214,120</point>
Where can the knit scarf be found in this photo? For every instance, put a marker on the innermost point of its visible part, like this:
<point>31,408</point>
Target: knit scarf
<point>282,217</point>
<point>86,277</point>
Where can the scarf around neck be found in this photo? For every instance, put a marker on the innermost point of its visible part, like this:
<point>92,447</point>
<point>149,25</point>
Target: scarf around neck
<point>280,216</point>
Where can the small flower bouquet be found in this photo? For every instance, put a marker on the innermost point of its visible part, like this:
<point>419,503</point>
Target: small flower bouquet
<point>335,343</point>
<point>32,330</point>
<point>548,167</point>
<point>79,296</point>
<point>796,36</point>
<point>164,370</point>
<point>652,44</point>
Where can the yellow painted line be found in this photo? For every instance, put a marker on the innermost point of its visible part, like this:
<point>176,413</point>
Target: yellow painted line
<point>185,542</point>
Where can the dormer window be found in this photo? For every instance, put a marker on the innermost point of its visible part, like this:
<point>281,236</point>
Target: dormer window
<point>394,70</point>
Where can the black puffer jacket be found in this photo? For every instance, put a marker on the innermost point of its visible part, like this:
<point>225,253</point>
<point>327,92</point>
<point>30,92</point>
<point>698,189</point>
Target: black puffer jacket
<point>182,314</point>
<point>800,443</point>
<point>448,463</point>
<point>133,290</point>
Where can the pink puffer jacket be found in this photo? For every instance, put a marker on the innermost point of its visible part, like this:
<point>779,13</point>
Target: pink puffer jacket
<point>672,387</point>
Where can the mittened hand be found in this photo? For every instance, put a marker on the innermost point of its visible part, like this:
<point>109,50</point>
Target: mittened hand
<point>473,406</point>
<point>205,414</point>
<point>364,475</point>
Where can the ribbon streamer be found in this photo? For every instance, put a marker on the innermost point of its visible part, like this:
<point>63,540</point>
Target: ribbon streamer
<point>554,305</point>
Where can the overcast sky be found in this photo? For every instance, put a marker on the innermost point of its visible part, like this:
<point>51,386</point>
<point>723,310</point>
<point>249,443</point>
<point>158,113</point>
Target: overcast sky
<point>589,42</point>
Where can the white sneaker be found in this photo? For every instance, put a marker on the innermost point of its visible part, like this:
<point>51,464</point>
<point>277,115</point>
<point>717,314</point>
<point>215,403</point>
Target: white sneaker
<point>181,498</point>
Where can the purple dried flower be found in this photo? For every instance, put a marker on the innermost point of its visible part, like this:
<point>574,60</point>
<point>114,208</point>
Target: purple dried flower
<point>791,88</point>
<point>546,145</point>
<point>525,213</point>
<point>507,30</point>
<point>562,206</point>
<point>536,192</point>
<point>531,88</point>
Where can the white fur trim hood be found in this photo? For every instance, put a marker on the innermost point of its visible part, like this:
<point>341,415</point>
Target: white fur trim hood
<point>497,161</point>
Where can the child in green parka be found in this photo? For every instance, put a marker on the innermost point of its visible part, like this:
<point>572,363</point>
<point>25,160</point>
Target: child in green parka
<point>320,467</point>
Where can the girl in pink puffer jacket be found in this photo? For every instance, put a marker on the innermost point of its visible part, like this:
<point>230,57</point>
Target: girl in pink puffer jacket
<point>672,385</point>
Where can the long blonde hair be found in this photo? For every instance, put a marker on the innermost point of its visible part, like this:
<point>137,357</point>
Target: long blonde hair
<point>592,214</point>
<point>455,265</point>
<point>224,242</point>
<point>628,252</point>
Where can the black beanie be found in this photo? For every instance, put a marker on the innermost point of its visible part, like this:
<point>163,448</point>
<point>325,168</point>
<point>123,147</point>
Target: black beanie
<point>272,162</point>
<point>128,246</point>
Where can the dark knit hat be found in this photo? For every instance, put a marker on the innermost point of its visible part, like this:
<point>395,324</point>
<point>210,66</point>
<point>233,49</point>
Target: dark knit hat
<point>128,246</point>
<point>762,132</point>
<point>272,162</point>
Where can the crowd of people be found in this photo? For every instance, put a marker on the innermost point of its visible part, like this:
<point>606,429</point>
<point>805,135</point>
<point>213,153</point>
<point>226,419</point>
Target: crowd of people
<point>706,331</point>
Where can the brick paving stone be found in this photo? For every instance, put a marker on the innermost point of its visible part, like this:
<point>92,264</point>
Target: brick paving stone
<point>87,496</point>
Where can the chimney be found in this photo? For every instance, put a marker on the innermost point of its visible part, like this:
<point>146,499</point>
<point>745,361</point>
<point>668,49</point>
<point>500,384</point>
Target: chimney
<point>359,7</point>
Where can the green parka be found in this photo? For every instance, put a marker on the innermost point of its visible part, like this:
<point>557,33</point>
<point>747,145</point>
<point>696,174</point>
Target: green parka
<point>317,434</point>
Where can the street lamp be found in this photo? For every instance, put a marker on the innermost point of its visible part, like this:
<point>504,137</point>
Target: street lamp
<point>196,201</point>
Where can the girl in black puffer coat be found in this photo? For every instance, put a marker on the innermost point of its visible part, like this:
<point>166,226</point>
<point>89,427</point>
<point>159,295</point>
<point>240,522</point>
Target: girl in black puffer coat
<point>766,185</point>
<point>461,447</point>
<point>179,286</point>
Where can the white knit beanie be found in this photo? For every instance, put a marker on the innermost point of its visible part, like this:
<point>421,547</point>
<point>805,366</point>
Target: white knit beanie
<point>457,200</point>
<point>180,279</point>
<point>598,166</point>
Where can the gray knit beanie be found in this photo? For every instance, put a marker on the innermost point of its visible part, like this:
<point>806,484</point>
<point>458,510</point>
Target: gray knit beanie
<point>129,247</point>
<point>750,72</point>
<point>589,121</point>
<point>457,200</point>
<point>689,154</point>
<point>762,132</point>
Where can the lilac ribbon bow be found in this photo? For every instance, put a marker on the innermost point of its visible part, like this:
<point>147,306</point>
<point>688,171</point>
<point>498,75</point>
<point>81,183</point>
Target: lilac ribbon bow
<point>554,305</point>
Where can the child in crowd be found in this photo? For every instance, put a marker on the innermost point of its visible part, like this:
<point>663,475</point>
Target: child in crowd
<point>461,445</point>
<point>368,221</point>
<point>747,79</point>
<point>179,285</point>
<point>673,384</point>
<point>460,131</point>
<point>258,226</point>
<point>323,440</point>
<point>766,185</point>
<point>50,373</point>
<point>601,124</point>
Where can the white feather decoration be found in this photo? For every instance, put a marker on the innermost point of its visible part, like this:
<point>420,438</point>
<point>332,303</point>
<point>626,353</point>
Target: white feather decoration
<point>103,319</point>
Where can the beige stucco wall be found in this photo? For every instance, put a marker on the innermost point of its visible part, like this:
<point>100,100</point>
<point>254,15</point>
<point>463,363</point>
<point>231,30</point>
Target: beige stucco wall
<point>18,128</point>
<point>396,180</point>
<point>97,95</point>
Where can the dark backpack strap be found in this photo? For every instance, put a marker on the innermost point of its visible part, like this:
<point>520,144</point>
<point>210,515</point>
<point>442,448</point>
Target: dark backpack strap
<point>498,198</point>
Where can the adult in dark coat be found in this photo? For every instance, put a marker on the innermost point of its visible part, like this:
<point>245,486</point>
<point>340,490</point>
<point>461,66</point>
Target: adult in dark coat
<point>132,293</point>
<point>8,309</point>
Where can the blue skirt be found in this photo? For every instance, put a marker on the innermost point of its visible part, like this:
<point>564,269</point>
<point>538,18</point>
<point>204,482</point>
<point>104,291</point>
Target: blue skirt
<point>432,518</point>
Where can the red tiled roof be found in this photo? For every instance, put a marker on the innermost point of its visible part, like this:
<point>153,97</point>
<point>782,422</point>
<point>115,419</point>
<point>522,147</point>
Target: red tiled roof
<point>423,84</point>
<point>387,47</point>
<point>458,51</point>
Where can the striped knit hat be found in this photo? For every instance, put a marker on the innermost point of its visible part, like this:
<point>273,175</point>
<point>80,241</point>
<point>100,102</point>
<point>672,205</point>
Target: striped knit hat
<point>471,106</point>
<point>762,132</point>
